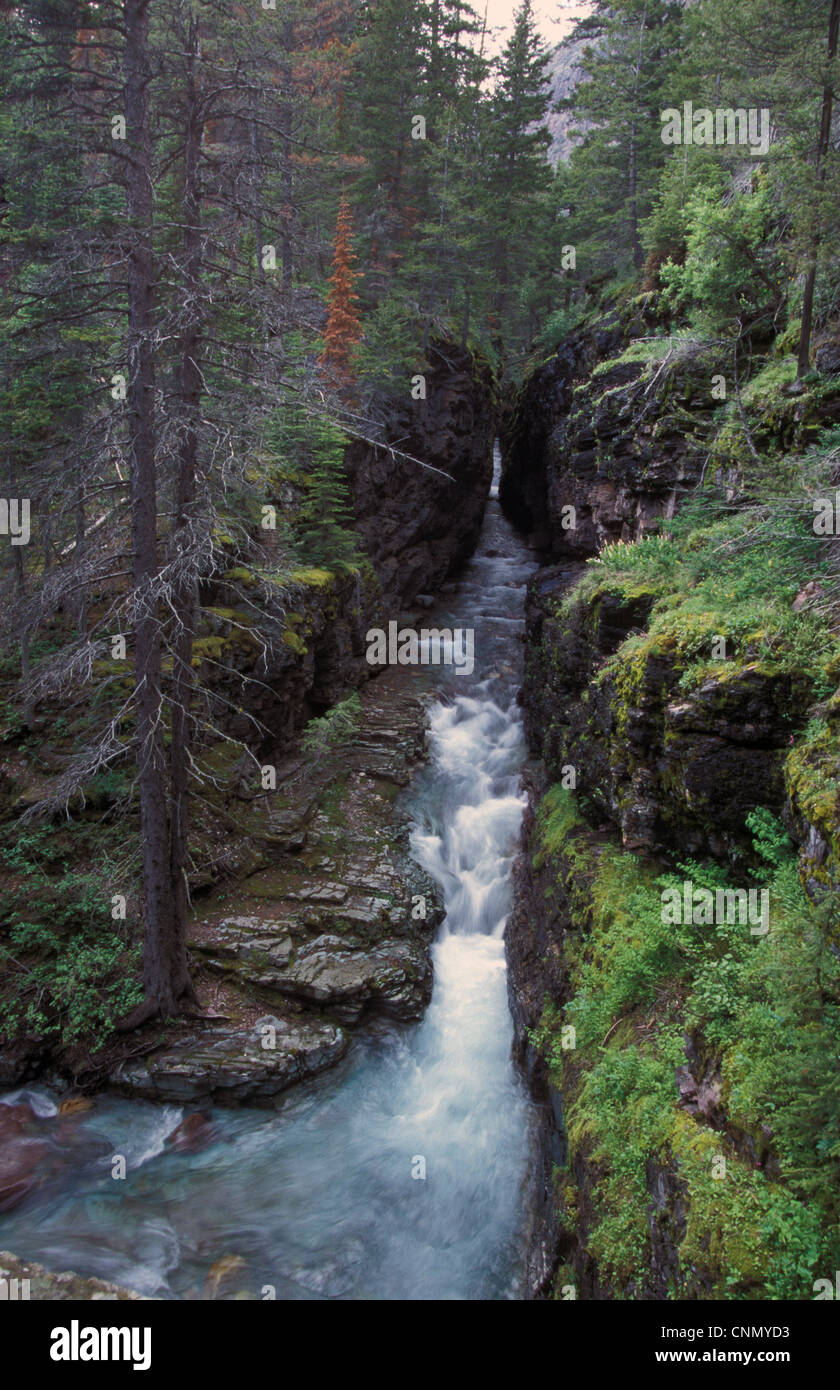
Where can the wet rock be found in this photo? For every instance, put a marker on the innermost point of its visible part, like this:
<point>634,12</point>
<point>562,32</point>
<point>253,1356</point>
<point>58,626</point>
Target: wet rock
<point>76,1105</point>
<point>232,1066</point>
<point>589,442</point>
<point>20,1168</point>
<point>46,1285</point>
<point>14,1118</point>
<point>194,1133</point>
<point>333,972</point>
<point>38,1148</point>
<point>344,928</point>
<point>224,1277</point>
<point>668,769</point>
<point>417,525</point>
<point>396,979</point>
<point>336,932</point>
<point>287,834</point>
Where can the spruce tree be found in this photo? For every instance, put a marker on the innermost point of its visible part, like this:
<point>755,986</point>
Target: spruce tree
<point>519,175</point>
<point>326,531</point>
<point>785,58</point>
<point>613,172</point>
<point>343,328</point>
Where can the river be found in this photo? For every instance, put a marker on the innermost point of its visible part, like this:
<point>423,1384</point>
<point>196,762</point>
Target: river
<point>402,1174</point>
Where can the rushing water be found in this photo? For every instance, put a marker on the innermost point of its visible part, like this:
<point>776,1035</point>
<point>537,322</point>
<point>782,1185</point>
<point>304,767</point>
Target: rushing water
<point>318,1199</point>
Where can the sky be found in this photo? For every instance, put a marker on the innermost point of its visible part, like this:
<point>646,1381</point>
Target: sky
<point>554,18</point>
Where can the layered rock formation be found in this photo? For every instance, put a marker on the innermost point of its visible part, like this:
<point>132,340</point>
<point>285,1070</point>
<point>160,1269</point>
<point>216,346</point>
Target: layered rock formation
<point>236,1066</point>
<point>319,919</point>
<point>275,655</point>
<point>595,450</point>
<point>672,769</point>
<point>665,753</point>
<point>274,658</point>
<point>417,525</point>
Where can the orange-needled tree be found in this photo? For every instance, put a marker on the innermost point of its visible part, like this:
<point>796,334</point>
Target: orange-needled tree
<point>343,329</point>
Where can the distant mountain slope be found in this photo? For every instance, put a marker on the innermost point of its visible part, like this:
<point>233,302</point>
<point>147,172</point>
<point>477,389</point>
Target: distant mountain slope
<point>565,74</point>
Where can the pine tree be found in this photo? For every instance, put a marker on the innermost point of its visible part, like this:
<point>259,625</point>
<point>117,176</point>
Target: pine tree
<point>343,329</point>
<point>785,57</point>
<point>384,96</point>
<point>133,259</point>
<point>613,172</point>
<point>519,175</point>
<point>326,515</point>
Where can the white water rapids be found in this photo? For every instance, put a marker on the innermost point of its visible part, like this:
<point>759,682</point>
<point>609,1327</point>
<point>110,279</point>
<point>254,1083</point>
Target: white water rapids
<point>318,1199</point>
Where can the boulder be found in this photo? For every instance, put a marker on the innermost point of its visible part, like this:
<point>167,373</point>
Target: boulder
<point>232,1066</point>
<point>336,973</point>
<point>20,1168</point>
<point>193,1134</point>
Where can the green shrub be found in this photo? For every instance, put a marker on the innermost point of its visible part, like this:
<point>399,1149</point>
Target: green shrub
<point>69,970</point>
<point>334,729</point>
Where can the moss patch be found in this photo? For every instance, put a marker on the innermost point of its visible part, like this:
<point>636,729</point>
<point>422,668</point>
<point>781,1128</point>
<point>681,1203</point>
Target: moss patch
<point>634,986</point>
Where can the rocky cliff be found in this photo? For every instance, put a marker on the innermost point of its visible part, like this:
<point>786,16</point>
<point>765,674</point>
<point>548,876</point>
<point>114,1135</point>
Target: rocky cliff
<point>596,449</point>
<point>680,710</point>
<point>276,653</point>
<point>418,525</point>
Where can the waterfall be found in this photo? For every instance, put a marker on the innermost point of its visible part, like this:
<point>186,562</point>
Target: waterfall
<point>403,1174</point>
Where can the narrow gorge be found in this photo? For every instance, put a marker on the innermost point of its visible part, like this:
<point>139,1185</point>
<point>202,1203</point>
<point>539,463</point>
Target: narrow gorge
<point>420,667</point>
<point>370,893</point>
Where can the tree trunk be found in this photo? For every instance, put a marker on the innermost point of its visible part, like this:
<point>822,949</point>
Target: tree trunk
<point>633,206</point>
<point>803,364</point>
<point>20,585</point>
<point>158,908</point>
<point>185,594</point>
<point>78,553</point>
<point>287,192</point>
<point>25,659</point>
<point>257,201</point>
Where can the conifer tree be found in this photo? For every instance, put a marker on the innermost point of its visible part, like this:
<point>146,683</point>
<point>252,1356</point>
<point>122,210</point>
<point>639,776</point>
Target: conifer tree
<point>519,174</point>
<point>785,57</point>
<point>613,172</point>
<point>343,329</point>
<point>326,515</point>
<point>142,274</point>
<point>384,93</point>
